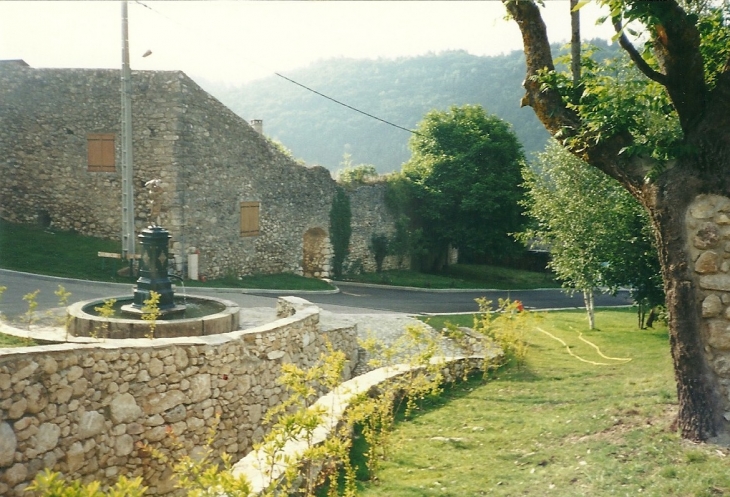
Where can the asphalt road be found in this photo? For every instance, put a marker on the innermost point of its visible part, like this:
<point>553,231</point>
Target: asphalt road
<point>351,299</point>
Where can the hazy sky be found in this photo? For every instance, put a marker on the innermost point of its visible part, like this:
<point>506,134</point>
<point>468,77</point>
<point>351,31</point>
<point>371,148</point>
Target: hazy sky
<point>236,41</point>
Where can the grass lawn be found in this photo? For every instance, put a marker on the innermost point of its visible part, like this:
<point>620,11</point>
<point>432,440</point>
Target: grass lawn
<point>463,276</point>
<point>11,341</point>
<point>559,426</point>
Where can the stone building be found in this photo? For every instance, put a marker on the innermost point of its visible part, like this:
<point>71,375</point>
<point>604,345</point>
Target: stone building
<point>228,193</point>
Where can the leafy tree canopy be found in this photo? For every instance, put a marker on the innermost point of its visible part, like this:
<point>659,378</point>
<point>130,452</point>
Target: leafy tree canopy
<point>352,175</point>
<point>465,173</point>
<point>598,234</point>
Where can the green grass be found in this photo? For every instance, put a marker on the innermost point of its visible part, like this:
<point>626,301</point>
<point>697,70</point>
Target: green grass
<point>558,426</point>
<point>7,341</point>
<point>35,250</point>
<point>463,276</point>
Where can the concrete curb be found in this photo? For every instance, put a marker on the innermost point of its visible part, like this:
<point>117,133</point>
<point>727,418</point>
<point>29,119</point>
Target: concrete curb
<point>439,290</point>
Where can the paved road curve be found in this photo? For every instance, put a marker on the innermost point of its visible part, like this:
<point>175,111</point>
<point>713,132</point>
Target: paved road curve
<point>352,298</point>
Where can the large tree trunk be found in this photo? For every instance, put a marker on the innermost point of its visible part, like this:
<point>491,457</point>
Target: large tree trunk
<point>688,202</point>
<point>698,389</point>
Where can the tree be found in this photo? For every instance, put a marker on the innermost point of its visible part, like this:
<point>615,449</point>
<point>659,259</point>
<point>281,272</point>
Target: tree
<point>356,175</point>
<point>465,177</point>
<point>597,232</point>
<point>668,144</point>
<point>340,229</point>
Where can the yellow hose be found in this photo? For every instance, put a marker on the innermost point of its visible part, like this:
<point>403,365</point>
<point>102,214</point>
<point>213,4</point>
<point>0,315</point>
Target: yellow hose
<point>589,343</point>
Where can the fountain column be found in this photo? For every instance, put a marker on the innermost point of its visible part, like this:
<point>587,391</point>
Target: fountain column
<point>153,263</point>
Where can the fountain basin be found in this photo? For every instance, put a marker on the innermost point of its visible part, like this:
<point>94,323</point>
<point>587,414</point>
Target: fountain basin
<point>217,316</point>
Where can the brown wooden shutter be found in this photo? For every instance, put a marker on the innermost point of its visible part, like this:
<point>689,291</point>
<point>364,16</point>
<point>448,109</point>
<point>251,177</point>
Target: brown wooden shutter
<point>250,218</point>
<point>101,152</point>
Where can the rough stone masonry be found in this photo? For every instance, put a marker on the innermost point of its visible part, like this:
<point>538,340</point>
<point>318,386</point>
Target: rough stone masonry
<point>83,410</point>
<point>708,235</point>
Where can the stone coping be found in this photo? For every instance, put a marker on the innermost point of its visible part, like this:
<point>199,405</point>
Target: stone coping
<point>81,323</point>
<point>334,405</point>
<point>55,339</point>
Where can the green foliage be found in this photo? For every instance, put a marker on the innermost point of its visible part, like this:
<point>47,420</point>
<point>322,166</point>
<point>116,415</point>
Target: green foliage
<point>50,484</point>
<point>616,98</point>
<point>416,349</point>
<point>151,312</point>
<point>205,474</point>
<point>105,311</point>
<point>380,246</point>
<point>463,276</point>
<point>465,184</point>
<point>598,235</point>
<point>29,315</point>
<point>297,419</point>
<point>715,47</point>
<point>507,326</point>
<point>340,229</point>
<point>353,175</point>
<point>407,240</point>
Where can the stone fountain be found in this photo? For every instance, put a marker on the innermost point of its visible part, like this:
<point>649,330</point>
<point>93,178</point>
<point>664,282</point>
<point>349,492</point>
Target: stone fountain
<point>178,316</point>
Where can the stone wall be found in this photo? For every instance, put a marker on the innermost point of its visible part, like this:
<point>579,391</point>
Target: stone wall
<point>222,161</point>
<point>708,236</point>
<point>83,409</point>
<point>370,216</point>
<point>45,116</point>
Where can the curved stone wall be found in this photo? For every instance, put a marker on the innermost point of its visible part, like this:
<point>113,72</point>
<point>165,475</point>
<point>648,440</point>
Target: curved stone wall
<point>83,410</point>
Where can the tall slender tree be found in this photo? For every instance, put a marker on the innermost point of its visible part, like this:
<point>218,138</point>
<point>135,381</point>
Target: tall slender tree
<point>686,69</point>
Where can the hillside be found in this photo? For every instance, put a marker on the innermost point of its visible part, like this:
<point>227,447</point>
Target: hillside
<point>401,91</point>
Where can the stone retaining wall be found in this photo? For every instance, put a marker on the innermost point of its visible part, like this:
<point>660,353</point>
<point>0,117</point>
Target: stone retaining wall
<point>83,409</point>
<point>333,406</point>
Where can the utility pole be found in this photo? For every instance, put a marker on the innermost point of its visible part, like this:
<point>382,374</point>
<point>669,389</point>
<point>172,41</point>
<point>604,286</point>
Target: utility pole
<point>128,238</point>
<point>575,49</point>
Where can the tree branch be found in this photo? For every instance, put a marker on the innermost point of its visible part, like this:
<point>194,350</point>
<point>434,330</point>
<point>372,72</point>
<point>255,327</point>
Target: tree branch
<point>636,57</point>
<point>676,44</point>
<point>547,103</point>
<point>561,121</point>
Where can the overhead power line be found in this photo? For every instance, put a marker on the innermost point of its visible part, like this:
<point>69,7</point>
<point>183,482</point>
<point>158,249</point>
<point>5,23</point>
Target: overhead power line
<point>296,82</point>
<point>346,105</point>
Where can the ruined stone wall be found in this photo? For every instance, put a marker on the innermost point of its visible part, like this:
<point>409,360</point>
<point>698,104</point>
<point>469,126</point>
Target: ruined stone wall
<point>83,410</point>
<point>370,216</point>
<point>708,234</point>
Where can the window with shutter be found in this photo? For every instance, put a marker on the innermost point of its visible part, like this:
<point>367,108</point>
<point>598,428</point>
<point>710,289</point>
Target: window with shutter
<point>101,153</point>
<point>250,218</point>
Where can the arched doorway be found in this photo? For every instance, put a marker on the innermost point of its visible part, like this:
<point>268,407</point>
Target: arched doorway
<point>316,253</point>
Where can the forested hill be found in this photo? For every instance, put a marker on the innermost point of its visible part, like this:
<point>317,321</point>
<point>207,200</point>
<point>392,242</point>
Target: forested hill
<point>401,91</point>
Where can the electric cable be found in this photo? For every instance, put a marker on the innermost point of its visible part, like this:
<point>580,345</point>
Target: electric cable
<point>385,121</point>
